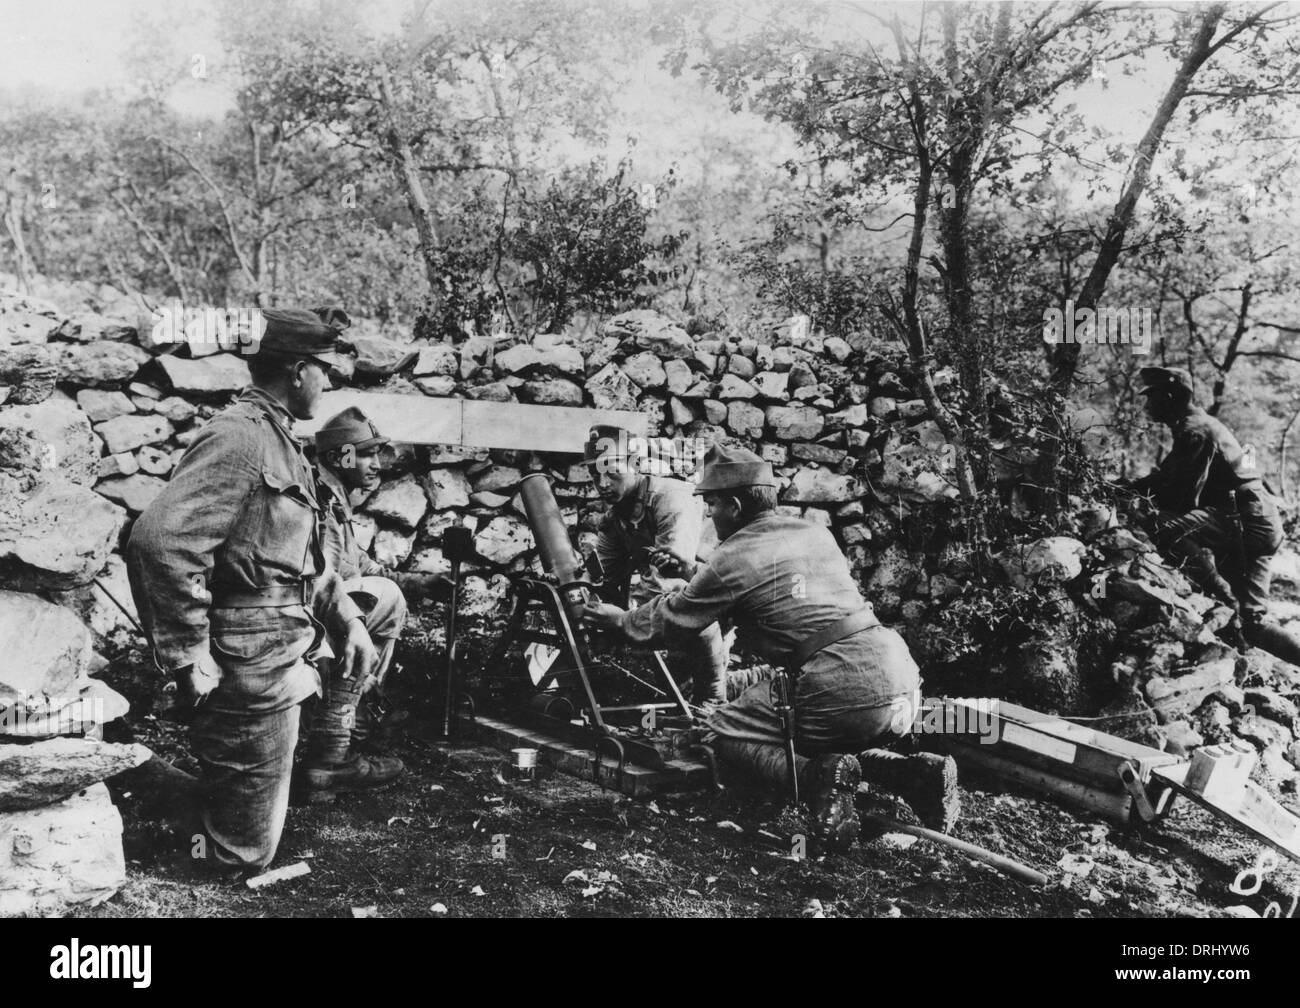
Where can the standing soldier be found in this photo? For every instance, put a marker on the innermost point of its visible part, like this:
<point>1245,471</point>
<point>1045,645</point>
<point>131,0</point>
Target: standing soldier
<point>349,450</point>
<point>789,590</point>
<point>1213,513</point>
<point>651,514</point>
<point>227,570</point>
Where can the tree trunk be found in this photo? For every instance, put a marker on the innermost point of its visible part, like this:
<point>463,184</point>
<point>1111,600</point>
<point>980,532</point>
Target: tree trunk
<point>407,170</point>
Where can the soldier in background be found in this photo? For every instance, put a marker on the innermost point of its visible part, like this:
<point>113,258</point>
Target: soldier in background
<point>228,572</point>
<point>1213,512</point>
<point>788,589</point>
<point>652,513</point>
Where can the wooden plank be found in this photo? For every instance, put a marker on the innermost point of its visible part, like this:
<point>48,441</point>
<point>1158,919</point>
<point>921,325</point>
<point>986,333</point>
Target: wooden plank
<point>1107,804</point>
<point>429,420</point>
<point>1254,812</point>
<point>634,781</point>
<point>1060,747</point>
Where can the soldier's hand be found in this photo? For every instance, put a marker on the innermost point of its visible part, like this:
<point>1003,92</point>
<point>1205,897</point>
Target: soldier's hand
<point>671,564</point>
<point>601,615</point>
<point>195,683</point>
<point>359,654</point>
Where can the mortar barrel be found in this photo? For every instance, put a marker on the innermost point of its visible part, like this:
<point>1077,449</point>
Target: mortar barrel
<point>559,558</point>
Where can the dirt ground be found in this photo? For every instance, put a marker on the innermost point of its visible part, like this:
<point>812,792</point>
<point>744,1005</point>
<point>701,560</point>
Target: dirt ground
<point>453,837</point>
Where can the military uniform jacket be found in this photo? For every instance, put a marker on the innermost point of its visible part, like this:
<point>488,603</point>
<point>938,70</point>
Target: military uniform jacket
<point>665,514</point>
<point>780,580</point>
<point>239,512</point>
<point>342,550</point>
<point>1204,464</point>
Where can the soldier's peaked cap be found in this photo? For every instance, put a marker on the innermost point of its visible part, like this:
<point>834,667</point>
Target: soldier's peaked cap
<point>297,332</point>
<point>350,427</point>
<point>731,468</point>
<point>1164,378</point>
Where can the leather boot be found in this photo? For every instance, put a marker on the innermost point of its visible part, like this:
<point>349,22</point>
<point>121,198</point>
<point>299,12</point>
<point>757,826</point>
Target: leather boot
<point>1274,639</point>
<point>926,781</point>
<point>358,773</point>
<point>827,785</point>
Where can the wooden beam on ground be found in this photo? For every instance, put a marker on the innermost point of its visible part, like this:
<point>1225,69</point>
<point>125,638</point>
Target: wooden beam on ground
<point>634,781</point>
<point>471,423</point>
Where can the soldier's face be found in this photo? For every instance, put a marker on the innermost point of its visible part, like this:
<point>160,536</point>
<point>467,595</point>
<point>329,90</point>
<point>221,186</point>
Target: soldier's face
<point>724,512</point>
<point>311,381</point>
<point>615,479</point>
<point>365,470</point>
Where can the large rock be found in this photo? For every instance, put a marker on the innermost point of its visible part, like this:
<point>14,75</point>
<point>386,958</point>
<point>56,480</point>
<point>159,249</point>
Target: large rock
<point>561,359</point>
<point>381,357</point>
<point>1051,560</point>
<point>59,856</point>
<point>88,327</point>
<point>44,650</point>
<point>429,561</point>
<point>504,539</point>
<point>58,536</point>
<point>127,433</point>
<point>651,331</point>
<point>27,374</point>
<point>438,359</point>
<point>391,547</point>
<point>611,389</point>
<point>921,470</point>
<point>67,442</point>
<point>773,386</point>
<point>101,364</point>
<point>646,370</point>
<point>80,714</point>
<point>102,615</point>
<point>222,372</point>
<point>894,575</point>
<point>25,319</point>
<point>498,479</point>
<point>551,391</point>
<point>135,492</point>
<point>99,405</point>
<point>446,488</point>
<point>794,423</point>
<point>517,359</point>
<point>678,376</point>
<point>744,419</point>
<point>402,503</point>
<point>734,387</point>
<point>821,486</point>
<point>1176,698</point>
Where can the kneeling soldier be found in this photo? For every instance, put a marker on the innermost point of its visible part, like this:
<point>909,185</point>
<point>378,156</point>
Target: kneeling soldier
<point>227,570</point>
<point>790,593</point>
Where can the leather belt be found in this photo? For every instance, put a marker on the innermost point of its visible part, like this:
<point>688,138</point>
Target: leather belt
<point>847,626</point>
<point>271,597</point>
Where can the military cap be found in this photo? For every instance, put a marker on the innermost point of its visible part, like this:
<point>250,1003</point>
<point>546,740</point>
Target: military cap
<point>605,442</point>
<point>351,427</point>
<point>1165,379</point>
<point>731,468</point>
<point>297,332</point>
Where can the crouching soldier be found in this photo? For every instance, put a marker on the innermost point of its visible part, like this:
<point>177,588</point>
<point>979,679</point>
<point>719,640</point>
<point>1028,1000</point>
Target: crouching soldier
<point>228,571</point>
<point>1214,514</point>
<point>349,452</point>
<point>789,591</point>
<point>651,514</point>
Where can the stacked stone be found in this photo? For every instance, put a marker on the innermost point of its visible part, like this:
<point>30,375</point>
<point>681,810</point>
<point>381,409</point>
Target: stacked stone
<point>60,835</point>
